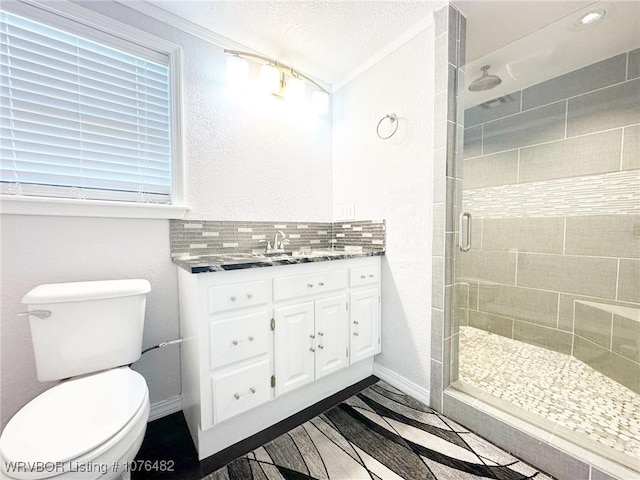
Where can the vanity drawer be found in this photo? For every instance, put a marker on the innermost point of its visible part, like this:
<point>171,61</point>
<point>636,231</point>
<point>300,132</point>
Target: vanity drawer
<point>364,275</point>
<point>301,285</point>
<point>240,390</point>
<point>237,338</point>
<point>237,295</point>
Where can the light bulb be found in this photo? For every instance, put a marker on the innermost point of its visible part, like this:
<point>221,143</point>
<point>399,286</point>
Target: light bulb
<point>320,102</point>
<point>237,71</point>
<point>295,91</point>
<point>269,79</point>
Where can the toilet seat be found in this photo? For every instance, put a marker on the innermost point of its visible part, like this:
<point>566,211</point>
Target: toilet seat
<point>75,421</point>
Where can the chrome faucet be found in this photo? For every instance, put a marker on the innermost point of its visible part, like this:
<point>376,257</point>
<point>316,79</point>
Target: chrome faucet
<point>279,242</point>
<point>283,241</point>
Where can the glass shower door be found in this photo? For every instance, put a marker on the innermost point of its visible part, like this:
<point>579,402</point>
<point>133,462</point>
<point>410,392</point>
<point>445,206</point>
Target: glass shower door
<point>547,263</point>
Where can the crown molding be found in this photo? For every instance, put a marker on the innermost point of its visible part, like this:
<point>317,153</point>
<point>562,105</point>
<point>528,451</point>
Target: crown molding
<point>200,32</point>
<point>385,51</point>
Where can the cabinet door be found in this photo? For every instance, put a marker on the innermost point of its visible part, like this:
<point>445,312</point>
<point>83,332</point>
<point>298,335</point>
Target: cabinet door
<point>294,346</point>
<point>332,333</point>
<point>365,324</point>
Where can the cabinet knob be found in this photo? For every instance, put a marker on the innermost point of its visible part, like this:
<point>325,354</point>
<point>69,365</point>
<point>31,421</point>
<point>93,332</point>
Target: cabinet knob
<point>310,285</point>
<point>235,342</point>
<point>356,334</point>
<point>233,299</point>
<point>312,336</point>
<point>249,296</point>
<point>251,339</point>
<point>321,284</point>
<point>320,347</point>
<point>355,322</point>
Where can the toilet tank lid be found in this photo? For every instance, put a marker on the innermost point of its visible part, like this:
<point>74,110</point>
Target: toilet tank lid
<point>82,291</point>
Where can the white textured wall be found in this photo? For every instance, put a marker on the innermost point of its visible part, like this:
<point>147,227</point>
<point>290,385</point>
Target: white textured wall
<point>244,161</point>
<point>392,179</point>
<point>246,158</point>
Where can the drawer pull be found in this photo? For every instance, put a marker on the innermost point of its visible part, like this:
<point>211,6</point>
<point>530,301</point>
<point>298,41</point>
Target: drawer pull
<point>371,275</point>
<point>321,284</point>
<point>355,334</point>
<point>312,349</point>
<point>233,299</point>
<point>312,336</point>
<point>310,285</point>
<point>355,322</point>
<point>249,296</point>
<point>237,342</point>
<point>363,276</point>
<point>320,347</point>
<point>320,334</point>
<point>238,396</point>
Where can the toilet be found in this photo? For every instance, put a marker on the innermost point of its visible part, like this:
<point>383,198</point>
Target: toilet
<point>92,423</point>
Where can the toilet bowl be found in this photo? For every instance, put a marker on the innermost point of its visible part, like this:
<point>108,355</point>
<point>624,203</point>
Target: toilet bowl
<point>88,427</point>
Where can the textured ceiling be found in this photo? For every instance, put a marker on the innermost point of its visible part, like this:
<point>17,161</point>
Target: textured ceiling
<point>323,38</point>
<point>525,41</point>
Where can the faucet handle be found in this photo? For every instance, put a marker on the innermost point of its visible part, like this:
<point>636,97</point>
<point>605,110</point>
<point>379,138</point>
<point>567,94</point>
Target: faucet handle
<point>267,247</point>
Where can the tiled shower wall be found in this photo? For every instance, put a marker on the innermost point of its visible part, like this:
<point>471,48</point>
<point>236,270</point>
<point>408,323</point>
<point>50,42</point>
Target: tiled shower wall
<point>204,237</point>
<point>552,179</point>
<point>449,27</point>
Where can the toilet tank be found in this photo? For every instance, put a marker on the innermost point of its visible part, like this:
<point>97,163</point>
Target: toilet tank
<point>92,326</point>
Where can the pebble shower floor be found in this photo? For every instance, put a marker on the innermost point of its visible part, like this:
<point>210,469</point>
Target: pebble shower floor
<point>378,434</point>
<point>553,385</point>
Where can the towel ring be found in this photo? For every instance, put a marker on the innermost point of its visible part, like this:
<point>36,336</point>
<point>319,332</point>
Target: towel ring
<point>393,119</point>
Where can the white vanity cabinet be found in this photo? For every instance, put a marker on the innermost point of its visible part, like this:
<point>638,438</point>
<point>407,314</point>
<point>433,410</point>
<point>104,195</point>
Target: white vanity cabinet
<point>262,344</point>
<point>311,340</point>
<point>365,312</point>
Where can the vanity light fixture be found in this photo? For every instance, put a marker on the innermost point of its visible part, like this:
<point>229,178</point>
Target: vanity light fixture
<point>270,81</point>
<point>237,71</point>
<point>277,79</point>
<point>295,90</point>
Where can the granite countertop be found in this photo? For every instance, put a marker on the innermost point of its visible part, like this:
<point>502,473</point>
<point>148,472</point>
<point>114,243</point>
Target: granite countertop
<point>221,262</point>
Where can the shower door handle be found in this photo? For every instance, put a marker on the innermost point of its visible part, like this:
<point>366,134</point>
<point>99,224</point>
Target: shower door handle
<point>465,217</point>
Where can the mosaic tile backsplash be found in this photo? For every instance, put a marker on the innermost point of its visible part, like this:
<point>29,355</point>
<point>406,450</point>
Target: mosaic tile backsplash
<point>203,237</point>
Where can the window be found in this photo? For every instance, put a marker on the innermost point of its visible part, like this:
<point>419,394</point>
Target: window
<point>82,119</point>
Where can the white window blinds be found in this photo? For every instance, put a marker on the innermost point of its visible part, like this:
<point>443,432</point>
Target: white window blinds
<point>80,119</point>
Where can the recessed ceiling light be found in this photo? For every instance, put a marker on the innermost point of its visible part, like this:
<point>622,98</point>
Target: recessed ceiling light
<point>590,18</point>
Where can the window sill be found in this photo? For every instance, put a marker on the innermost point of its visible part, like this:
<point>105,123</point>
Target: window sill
<point>10,205</point>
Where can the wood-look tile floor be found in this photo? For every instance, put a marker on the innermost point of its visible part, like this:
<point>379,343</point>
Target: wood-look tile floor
<point>377,433</point>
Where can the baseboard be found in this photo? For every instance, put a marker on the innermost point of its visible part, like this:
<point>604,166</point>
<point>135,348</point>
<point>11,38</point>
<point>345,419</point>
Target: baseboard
<point>165,407</point>
<point>401,383</point>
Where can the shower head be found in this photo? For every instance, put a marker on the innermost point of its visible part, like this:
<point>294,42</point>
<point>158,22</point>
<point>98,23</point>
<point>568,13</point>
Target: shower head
<point>485,81</point>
